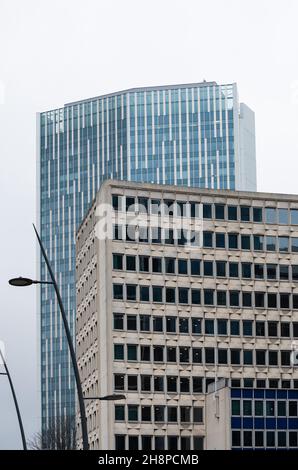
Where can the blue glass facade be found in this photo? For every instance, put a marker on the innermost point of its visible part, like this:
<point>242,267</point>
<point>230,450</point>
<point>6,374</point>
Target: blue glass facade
<point>189,135</point>
<point>264,419</point>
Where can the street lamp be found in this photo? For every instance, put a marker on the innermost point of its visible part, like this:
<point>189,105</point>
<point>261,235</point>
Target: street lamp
<point>14,399</point>
<point>23,282</point>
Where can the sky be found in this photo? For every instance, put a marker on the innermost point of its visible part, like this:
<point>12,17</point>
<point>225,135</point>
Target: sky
<point>58,51</point>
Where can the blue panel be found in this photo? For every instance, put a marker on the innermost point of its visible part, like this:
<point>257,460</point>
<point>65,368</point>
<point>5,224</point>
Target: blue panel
<point>293,423</point>
<point>270,423</point>
<point>259,423</point>
<point>270,393</point>
<point>236,423</point>
<point>247,423</point>
<point>293,394</point>
<point>247,393</point>
<point>281,393</point>
<point>236,393</point>
<point>259,393</point>
<point>281,423</point>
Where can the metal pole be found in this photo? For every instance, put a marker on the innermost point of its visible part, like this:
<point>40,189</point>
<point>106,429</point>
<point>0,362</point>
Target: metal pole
<point>15,401</point>
<point>71,348</point>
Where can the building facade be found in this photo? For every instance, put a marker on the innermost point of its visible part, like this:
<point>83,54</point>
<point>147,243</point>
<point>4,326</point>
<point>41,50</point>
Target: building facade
<point>187,135</point>
<point>161,315</point>
<point>249,419</point>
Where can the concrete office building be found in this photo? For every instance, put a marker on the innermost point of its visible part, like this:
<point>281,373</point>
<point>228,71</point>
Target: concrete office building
<point>186,135</point>
<point>160,318</point>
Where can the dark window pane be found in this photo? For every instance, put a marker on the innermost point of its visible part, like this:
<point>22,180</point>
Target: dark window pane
<point>245,213</point>
<point>232,212</point>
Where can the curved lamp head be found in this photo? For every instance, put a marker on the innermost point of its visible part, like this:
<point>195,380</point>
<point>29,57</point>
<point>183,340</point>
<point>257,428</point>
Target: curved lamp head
<point>20,282</point>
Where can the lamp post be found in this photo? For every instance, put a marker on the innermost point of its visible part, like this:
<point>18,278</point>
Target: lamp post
<point>14,399</point>
<point>22,282</point>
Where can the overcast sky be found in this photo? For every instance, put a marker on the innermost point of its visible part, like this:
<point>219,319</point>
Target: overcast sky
<point>58,51</point>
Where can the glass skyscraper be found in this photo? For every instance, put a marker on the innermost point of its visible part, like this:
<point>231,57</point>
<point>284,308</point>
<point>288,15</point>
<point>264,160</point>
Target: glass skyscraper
<point>187,135</point>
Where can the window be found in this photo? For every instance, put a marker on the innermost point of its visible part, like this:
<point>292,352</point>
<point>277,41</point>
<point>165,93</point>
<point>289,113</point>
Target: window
<point>195,267</point>
<point>258,242</point>
<point>146,413</point>
<point>221,327</point>
<point>146,383</point>
<point>185,443</point>
<point>247,438</point>
<point>270,214</point>
<point>155,206</point>
<point>295,329</point>
<point>246,270</point>
<point>116,202</point>
<point>159,442</point>
<point>144,293</point>
<point>130,203</point>
<point>235,407</point>
<point>183,325</point>
<point>295,272</point>
<point>133,442</point>
<point>245,242</point>
<point>119,352</point>
<point>283,243</point>
<point>119,442</point>
<point>260,328</point>
<point>184,354</point>
<point>260,357</point>
<point>270,243</point>
<point>207,239</point>
<point>271,271</point>
<point>170,295</point>
<point>259,408</point>
<point>209,327</point>
<point>293,438</point>
<point>158,384</point>
<point>132,382</point>
<point>283,272</point>
<point>183,295</point>
<point>235,356</point>
<point>285,301</point>
<point>221,297</point>
<point>259,299</point>
<point>285,329</point>
<point>118,321</point>
<point>233,240</point>
<point>145,322</point>
<point>247,327</point>
<point>220,268</point>
<point>272,300</point>
<point>236,438</point>
<point>131,322</point>
<point>209,355</point>
<point>235,327</point>
<point>222,356</point>
<point>143,204</point>
<point>233,269</point>
<point>293,408</point>
<point>158,324</point>
<point>172,442</point>
<point>172,414</point>
<point>272,328</point>
<point>270,408</point>
<point>131,292</point>
<point>247,357</point>
<point>195,296</point>
<point>118,291</point>
<point>133,412</point>
<point>130,233</point>
<point>208,297</point>
<point>159,413</point>
<point>197,355</point>
<point>117,232</point>
<point>131,352</point>
<point>257,214</point>
<point>197,385</point>
<point>157,293</point>
<point>273,359</point>
<point>170,265</point>
<point>158,353</point>
<point>144,263</point>
<point>198,443</point>
<point>184,384</point>
<point>220,240</point>
<point>219,211</point>
<point>245,213</point>
<point>234,298</point>
<point>247,407</point>
<point>207,211</point>
<point>283,216</point>
<point>171,324</point>
<point>146,442</point>
<point>130,263</point>
<point>232,212</point>
<point>156,265</point>
<point>246,299</point>
<point>259,271</point>
<point>119,382</point>
<point>282,438</point>
<point>145,353</point>
<point>119,412</point>
<point>185,414</point>
<point>196,326</point>
<point>171,384</point>
<point>117,261</point>
<point>294,216</point>
<point>208,268</point>
<point>171,354</point>
<point>182,266</point>
<point>294,243</point>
